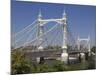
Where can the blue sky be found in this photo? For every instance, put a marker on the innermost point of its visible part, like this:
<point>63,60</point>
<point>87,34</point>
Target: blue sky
<point>81,19</point>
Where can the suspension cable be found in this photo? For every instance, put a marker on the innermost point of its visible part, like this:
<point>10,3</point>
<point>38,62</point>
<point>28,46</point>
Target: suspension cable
<point>39,36</point>
<point>25,33</point>
<point>25,28</point>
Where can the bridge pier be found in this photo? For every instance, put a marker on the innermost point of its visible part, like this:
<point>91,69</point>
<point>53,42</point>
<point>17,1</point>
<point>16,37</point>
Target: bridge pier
<point>86,56</point>
<point>64,57</point>
<point>64,54</point>
<point>82,57</point>
<point>40,32</point>
<point>40,60</point>
<point>89,53</point>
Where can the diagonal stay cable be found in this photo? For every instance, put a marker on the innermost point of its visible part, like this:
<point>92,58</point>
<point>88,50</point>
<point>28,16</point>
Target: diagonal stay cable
<point>42,35</point>
<point>31,34</point>
<point>25,33</point>
<point>72,39</point>
<point>38,37</point>
<point>48,37</point>
<point>25,28</point>
<point>52,40</point>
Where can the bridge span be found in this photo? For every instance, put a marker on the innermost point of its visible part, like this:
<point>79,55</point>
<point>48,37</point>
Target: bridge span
<point>37,34</point>
<point>53,54</point>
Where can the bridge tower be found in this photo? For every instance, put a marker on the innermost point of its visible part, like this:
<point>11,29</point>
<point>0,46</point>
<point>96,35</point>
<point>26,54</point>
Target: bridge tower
<point>89,49</point>
<point>64,55</point>
<point>40,32</point>
<point>78,44</point>
<point>40,35</point>
<point>82,54</point>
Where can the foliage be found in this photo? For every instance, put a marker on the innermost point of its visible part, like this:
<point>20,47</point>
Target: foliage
<point>92,62</point>
<point>19,63</point>
<point>56,66</point>
<point>44,68</point>
<point>59,66</point>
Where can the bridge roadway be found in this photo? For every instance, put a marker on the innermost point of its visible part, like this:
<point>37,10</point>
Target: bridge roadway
<point>51,53</point>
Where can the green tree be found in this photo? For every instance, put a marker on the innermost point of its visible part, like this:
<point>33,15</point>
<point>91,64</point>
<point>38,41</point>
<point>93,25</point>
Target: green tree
<point>59,66</point>
<point>19,63</point>
<point>92,62</point>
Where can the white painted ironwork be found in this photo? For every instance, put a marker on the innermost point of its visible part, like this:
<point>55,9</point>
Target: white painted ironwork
<point>87,43</point>
<point>61,21</point>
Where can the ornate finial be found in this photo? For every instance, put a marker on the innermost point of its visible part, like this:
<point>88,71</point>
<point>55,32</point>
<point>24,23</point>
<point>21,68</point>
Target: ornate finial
<point>88,37</point>
<point>40,15</point>
<point>78,37</point>
<point>64,13</point>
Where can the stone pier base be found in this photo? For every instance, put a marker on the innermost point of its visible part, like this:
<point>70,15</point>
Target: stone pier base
<point>64,57</point>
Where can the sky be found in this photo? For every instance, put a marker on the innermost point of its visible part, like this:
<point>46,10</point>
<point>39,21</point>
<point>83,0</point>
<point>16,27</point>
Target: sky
<point>81,18</point>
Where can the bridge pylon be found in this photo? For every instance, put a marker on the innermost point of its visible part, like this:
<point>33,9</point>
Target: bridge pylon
<point>40,31</point>
<point>64,54</point>
<point>89,49</point>
<point>82,54</point>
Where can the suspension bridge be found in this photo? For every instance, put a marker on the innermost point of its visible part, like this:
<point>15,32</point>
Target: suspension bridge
<point>53,41</point>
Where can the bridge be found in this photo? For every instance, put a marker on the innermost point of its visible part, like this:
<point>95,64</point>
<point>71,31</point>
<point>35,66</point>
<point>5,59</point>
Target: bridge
<point>51,41</point>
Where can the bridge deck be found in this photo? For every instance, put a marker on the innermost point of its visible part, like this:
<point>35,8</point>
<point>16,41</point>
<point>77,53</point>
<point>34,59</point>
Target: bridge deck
<point>50,53</point>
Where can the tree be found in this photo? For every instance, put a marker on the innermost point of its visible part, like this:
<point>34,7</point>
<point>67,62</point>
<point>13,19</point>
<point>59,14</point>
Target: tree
<point>19,63</point>
<point>59,66</point>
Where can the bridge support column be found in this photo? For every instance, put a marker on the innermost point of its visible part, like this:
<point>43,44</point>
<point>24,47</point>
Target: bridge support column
<point>40,32</point>
<point>38,59</point>
<point>89,49</point>
<point>86,56</point>
<point>89,54</point>
<point>82,57</point>
<point>64,55</point>
<point>40,47</point>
